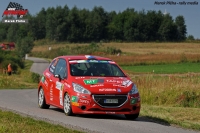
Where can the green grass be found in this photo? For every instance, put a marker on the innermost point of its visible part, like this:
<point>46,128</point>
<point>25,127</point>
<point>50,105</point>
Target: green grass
<point>188,118</point>
<point>22,80</point>
<point>165,68</point>
<point>14,123</point>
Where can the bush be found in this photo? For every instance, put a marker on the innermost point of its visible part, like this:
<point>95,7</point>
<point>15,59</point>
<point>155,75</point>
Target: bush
<point>113,51</point>
<point>11,56</point>
<point>90,49</point>
<point>14,66</point>
<point>35,77</point>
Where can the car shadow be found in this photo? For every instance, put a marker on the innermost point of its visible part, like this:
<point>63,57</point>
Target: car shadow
<point>117,117</point>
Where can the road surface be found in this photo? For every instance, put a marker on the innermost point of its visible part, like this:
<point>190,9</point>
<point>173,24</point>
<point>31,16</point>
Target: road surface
<point>25,102</point>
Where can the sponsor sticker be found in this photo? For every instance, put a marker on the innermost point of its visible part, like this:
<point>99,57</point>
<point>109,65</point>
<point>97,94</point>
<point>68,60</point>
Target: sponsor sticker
<point>51,93</point>
<point>74,99</point>
<point>51,70</point>
<point>119,90</point>
<point>84,101</point>
<point>75,104</point>
<point>133,100</point>
<point>98,85</point>
<point>61,97</point>
<point>67,85</point>
<point>90,81</point>
<point>59,85</point>
<point>79,77</point>
<point>107,89</point>
<point>93,81</point>
<point>48,74</point>
<point>129,83</point>
<point>110,112</point>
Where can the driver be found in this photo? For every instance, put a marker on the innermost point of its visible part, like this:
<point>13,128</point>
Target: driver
<point>100,69</point>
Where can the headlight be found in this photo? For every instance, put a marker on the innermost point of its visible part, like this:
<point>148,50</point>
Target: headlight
<point>134,90</point>
<point>80,89</point>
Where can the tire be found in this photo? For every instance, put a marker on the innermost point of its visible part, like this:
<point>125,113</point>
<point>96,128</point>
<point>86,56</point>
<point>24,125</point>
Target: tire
<point>67,105</point>
<point>41,100</point>
<point>132,116</point>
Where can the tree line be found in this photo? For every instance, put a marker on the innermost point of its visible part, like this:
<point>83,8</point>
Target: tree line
<point>83,25</point>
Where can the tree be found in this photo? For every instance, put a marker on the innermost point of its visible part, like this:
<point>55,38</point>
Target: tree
<point>24,46</point>
<point>3,31</point>
<point>74,25</point>
<point>12,32</point>
<point>168,30</point>
<point>181,27</point>
<point>50,24</point>
<point>190,38</point>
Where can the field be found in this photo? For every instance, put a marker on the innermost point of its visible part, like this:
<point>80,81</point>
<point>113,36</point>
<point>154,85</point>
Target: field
<point>136,53</point>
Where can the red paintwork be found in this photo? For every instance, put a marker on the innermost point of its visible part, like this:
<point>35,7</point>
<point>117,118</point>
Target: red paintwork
<point>85,99</point>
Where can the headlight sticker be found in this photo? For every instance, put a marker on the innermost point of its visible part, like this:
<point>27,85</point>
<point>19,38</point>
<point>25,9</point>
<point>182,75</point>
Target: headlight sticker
<point>43,79</point>
<point>133,101</point>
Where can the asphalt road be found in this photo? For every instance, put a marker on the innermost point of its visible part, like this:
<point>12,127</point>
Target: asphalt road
<point>25,102</point>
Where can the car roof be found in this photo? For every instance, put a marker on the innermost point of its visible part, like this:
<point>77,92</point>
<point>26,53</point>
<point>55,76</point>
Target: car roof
<point>83,57</point>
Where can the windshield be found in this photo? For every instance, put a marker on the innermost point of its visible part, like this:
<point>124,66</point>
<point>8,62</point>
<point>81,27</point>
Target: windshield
<point>98,68</point>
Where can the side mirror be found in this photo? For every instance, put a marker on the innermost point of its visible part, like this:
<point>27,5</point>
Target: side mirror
<point>57,76</point>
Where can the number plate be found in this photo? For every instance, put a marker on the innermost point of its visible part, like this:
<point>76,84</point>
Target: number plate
<point>111,101</point>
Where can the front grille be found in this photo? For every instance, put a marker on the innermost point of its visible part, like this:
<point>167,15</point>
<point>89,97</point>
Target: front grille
<point>100,100</point>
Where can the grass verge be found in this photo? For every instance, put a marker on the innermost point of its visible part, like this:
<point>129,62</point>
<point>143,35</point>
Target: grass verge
<point>13,123</point>
<point>188,118</point>
<point>18,81</point>
<point>179,90</point>
<point>186,67</point>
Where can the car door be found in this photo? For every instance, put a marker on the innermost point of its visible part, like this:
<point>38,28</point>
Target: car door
<point>61,70</point>
<point>51,84</point>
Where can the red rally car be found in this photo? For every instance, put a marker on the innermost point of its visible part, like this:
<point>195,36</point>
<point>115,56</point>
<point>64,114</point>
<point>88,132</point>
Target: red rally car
<point>88,85</point>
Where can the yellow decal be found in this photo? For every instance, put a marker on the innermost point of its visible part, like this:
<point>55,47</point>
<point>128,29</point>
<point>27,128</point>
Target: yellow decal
<point>75,104</point>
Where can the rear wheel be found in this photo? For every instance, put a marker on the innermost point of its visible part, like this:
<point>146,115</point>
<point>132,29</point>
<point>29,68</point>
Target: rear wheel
<point>67,105</point>
<point>41,100</point>
<point>132,116</point>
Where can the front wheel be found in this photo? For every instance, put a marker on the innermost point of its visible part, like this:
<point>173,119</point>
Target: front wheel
<point>67,105</point>
<point>132,116</point>
<point>41,100</point>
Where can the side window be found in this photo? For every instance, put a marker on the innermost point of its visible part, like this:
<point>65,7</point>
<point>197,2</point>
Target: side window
<point>61,68</point>
<point>53,65</point>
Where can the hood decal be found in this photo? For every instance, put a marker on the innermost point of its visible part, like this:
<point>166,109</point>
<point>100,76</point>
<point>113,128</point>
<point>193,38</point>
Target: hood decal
<point>108,89</point>
<point>93,81</point>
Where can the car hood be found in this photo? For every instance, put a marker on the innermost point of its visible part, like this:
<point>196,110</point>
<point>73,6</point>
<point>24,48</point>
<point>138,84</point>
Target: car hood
<point>105,85</point>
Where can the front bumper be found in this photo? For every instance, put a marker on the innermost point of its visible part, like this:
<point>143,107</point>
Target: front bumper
<point>85,104</point>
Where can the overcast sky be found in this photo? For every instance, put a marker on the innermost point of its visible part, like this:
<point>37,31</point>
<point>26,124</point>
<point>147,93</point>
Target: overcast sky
<point>191,13</point>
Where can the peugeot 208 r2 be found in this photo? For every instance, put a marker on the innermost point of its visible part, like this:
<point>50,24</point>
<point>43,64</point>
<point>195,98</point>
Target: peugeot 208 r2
<point>88,85</point>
